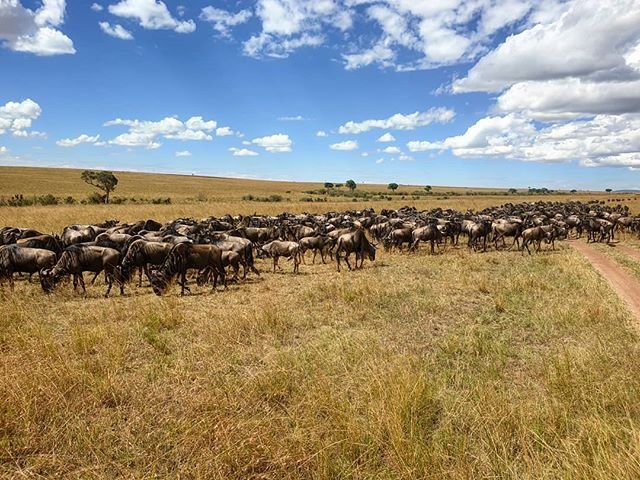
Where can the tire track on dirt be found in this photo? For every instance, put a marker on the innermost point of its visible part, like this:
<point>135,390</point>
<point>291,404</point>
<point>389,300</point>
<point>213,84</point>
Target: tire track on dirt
<point>623,283</point>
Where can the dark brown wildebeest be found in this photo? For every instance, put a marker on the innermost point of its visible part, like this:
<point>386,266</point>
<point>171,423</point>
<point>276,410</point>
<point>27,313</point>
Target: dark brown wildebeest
<point>479,230</point>
<point>282,248</point>
<point>47,242</point>
<point>354,242</point>
<point>229,259</point>
<point>240,245</point>
<point>297,232</point>
<point>18,259</point>
<point>77,259</point>
<point>316,244</point>
<point>184,256</point>
<point>140,254</point>
<point>397,237</point>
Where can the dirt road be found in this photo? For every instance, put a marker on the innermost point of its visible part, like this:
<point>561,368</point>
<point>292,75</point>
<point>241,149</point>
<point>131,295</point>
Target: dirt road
<point>623,283</point>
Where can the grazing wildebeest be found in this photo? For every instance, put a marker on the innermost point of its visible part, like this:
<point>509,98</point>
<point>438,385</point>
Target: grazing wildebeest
<point>77,259</point>
<point>18,259</point>
<point>354,242</point>
<point>297,232</point>
<point>316,244</point>
<point>429,233</point>
<point>141,254</point>
<point>184,256</point>
<point>282,248</point>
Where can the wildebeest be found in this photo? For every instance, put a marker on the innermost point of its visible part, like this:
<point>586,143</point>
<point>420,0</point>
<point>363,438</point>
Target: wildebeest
<point>533,234</point>
<point>429,233</point>
<point>316,244</point>
<point>47,242</point>
<point>184,256</point>
<point>18,259</point>
<point>229,259</point>
<point>73,234</point>
<point>282,248</point>
<point>140,254</point>
<point>77,259</point>
<point>354,242</point>
<point>502,228</point>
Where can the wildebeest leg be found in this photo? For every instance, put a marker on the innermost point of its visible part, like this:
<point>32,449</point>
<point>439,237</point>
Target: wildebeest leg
<point>11,282</point>
<point>346,259</point>
<point>432,246</point>
<point>81,279</point>
<point>109,281</point>
<point>93,280</point>
<point>338,259</point>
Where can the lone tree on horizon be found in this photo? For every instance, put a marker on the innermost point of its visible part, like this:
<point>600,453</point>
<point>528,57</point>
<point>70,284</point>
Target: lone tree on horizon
<point>608,190</point>
<point>351,185</point>
<point>105,181</point>
<point>392,186</point>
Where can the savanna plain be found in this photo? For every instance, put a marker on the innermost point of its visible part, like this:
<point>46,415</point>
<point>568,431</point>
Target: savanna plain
<point>454,365</point>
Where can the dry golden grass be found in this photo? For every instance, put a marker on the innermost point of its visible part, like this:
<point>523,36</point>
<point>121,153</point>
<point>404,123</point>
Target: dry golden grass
<point>457,365</point>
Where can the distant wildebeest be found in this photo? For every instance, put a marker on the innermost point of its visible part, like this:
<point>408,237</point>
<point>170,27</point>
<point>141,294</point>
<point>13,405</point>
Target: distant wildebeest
<point>78,234</point>
<point>354,242</point>
<point>282,248</point>
<point>531,235</point>
<point>17,259</point>
<point>185,256</point>
<point>77,259</point>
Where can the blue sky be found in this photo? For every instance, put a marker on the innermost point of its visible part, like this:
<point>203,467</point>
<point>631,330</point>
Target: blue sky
<point>465,93</point>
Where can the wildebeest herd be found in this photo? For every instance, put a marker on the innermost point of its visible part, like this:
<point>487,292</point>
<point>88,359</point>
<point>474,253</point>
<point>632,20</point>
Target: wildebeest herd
<point>215,245</point>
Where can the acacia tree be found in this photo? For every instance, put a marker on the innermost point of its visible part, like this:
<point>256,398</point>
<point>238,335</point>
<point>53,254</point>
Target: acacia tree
<point>351,185</point>
<point>103,180</point>
<point>392,186</point>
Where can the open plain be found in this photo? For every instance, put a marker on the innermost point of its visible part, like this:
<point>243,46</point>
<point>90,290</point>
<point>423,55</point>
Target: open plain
<point>460,364</point>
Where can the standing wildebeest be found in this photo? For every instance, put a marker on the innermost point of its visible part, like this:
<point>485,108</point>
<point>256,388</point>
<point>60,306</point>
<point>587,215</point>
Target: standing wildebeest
<point>184,256</point>
<point>242,246</point>
<point>229,259</point>
<point>77,259</point>
<point>354,242</point>
<point>78,234</point>
<point>533,234</point>
<point>280,248</point>
<point>505,228</point>
<point>47,242</point>
<point>141,254</point>
<point>479,230</point>
<point>429,233</point>
<point>17,259</point>
<point>315,244</point>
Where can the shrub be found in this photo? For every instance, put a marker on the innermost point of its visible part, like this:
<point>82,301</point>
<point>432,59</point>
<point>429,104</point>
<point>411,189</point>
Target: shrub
<point>95,199</point>
<point>70,200</point>
<point>47,199</point>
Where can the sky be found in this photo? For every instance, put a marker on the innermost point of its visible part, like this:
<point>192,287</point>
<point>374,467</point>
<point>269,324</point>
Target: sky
<point>485,93</point>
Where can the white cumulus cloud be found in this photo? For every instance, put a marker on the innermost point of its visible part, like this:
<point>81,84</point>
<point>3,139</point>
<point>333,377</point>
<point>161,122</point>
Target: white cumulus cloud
<point>321,133</point>
<point>274,143</point>
<point>183,153</point>
<point>36,32</point>
<point>17,117</point>
<point>152,15</point>
<point>346,146</point>
<point>387,137</point>
<point>243,152</point>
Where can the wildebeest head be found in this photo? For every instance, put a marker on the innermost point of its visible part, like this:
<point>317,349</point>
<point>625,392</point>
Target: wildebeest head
<point>158,283</point>
<point>47,280</point>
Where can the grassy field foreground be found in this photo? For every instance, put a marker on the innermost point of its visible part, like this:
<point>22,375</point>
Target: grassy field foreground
<point>459,365</point>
